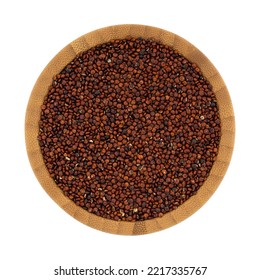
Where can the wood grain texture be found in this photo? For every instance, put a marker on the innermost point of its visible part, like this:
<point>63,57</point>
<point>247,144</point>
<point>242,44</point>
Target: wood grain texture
<point>120,32</point>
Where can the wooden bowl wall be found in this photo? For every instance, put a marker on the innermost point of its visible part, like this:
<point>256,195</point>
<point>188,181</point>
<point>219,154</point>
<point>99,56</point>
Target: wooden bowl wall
<point>101,36</point>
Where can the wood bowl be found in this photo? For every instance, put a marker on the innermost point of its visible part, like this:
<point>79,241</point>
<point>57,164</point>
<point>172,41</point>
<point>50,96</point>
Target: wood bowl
<point>219,167</point>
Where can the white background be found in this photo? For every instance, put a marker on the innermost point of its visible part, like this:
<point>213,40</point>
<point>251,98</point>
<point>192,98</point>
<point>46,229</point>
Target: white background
<point>37,236</point>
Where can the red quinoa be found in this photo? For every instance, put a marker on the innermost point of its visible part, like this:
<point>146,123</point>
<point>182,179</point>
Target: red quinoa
<point>129,129</point>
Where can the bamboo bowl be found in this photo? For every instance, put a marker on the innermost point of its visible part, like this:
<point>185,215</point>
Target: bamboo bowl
<point>219,167</point>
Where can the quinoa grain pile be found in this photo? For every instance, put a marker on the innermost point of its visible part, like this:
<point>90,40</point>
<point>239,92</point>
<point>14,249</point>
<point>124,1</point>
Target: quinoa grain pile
<point>129,129</point>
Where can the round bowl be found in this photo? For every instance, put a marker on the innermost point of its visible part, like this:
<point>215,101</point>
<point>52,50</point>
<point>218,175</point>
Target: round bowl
<point>219,167</point>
